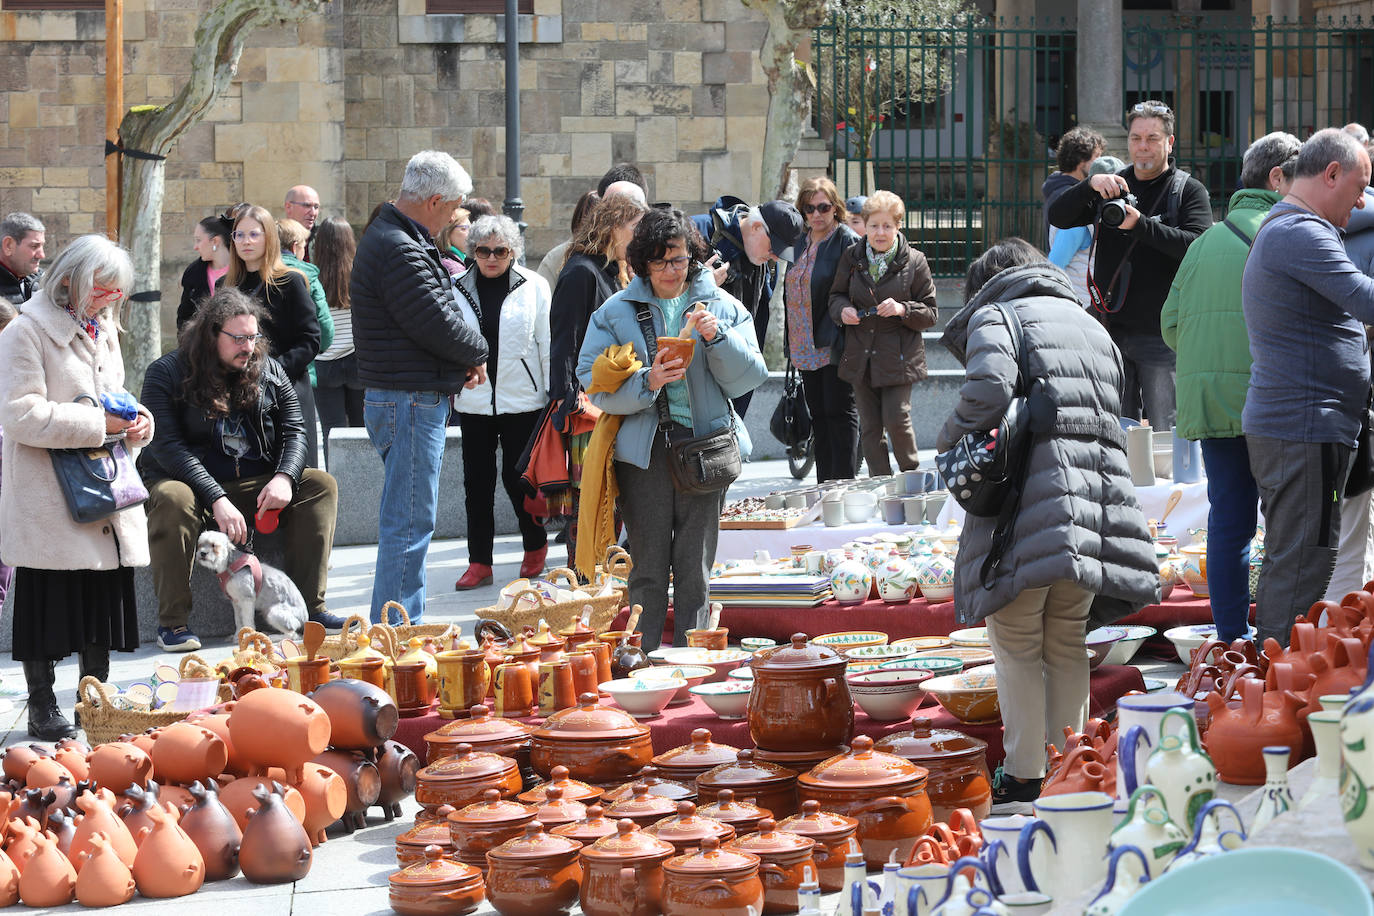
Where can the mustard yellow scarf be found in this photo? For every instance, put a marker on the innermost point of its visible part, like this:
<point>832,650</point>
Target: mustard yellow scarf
<point>596,515</point>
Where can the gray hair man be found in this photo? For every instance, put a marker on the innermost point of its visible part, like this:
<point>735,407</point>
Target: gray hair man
<point>414,350</point>
<point>1305,307</point>
<point>303,205</point>
<point>21,252</point>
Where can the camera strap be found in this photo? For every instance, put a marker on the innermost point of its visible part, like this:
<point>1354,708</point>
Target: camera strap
<point>1102,303</point>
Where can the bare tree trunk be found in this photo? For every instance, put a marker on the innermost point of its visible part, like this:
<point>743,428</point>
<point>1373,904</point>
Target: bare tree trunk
<point>789,85</point>
<point>154,130</point>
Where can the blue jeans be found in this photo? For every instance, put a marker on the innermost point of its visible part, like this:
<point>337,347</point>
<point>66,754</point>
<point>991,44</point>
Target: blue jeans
<point>1234,496</point>
<point>407,429</point>
<point>1148,378</point>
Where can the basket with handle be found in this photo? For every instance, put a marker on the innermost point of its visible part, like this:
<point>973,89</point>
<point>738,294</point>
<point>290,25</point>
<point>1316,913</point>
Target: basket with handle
<point>406,631</point>
<point>339,645</point>
<point>559,614</point>
<point>103,721</point>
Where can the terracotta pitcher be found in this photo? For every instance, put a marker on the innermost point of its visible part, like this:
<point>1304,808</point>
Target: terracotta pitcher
<point>168,863</point>
<point>1235,737</point>
<point>276,848</point>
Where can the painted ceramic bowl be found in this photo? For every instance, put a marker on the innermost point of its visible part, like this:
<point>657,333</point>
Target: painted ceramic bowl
<point>1102,640</point>
<point>923,643</point>
<point>720,661</point>
<point>1188,638</point>
<point>755,643</point>
<point>642,698</point>
<point>1128,645</point>
<point>975,637</point>
<point>875,654</point>
<point>970,656</point>
<point>970,696</point>
<point>852,639</point>
<point>888,695</point>
<point>937,665</point>
<point>727,699</point>
<point>743,673</point>
<point>692,674</point>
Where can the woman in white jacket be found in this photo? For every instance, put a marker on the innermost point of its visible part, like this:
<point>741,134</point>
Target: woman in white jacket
<point>510,306</point>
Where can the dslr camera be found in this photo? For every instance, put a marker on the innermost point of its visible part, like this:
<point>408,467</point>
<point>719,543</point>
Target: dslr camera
<point>1112,212</point>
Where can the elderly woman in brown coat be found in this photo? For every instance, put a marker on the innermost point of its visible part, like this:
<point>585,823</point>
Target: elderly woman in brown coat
<point>883,297</point>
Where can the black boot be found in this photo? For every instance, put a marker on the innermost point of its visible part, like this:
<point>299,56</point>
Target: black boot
<point>45,719</point>
<point>94,661</point>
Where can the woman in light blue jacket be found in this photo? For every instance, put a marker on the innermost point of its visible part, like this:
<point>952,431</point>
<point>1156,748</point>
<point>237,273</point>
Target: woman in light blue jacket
<point>668,530</point>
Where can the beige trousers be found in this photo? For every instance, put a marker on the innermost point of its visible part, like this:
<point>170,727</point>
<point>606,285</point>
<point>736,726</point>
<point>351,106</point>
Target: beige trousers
<point>1042,671</point>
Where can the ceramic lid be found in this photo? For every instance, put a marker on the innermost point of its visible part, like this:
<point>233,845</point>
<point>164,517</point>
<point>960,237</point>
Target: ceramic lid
<point>818,824</point>
<point>687,826</point>
<point>535,843</point>
<point>628,844</point>
<point>491,809</point>
<point>770,841</point>
<point>437,872</point>
<point>800,654</point>
<point>863,768</point>
<point>702,753</point>
<point>429,832</point>
<point>573,790</point>
<point>590,829</point>
<point>711,859</point>
<point>590,721</point>
<point>464,765</point>
<point>483,726</point>
<point>731,811</point>
<point>641,804</point>
<point>743,771</point>
<point>544,637</point>
<point>926,743</point>
<point>556,809</point>
<point>668,788</point>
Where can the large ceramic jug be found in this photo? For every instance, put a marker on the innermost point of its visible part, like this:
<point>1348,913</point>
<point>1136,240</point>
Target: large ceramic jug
<point>1357,768</point>
<point>1078,826</point>
<point>1236,737</point>
<point>1184,775</point>
<point>800,700</point>
<point>1144,711</point>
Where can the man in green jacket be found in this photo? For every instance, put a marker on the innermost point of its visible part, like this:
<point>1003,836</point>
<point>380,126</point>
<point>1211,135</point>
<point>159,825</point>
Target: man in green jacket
<point>1203,323</point>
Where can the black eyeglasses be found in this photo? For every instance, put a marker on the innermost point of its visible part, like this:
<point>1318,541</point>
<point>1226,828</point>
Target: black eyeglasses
<point>1153,108</point>
<point>482,251</point>
<point>822,207</point>
<point>243,338</point>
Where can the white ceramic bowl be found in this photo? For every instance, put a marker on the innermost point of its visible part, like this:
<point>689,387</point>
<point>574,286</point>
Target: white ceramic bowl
<point>972,637</point>
<point>1101,640</point>
<point>859,505</point>
<point>721,661</point>
<point>1128,645</point>
<point>641,697</point>
<point>1188,638</point>
<point>743,673</point>
<point>727,699</point>
<point>691,674</point>
<point>888,694</point>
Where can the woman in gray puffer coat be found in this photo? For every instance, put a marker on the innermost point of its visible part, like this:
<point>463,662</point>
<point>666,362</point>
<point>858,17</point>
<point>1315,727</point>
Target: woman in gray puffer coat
<point>1079,548</point>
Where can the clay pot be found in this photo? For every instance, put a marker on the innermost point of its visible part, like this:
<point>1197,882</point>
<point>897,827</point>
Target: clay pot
<point>712,880</point>
<point>536,874</point>
<point>436,887</point>
<point>884,792</point>
<point>771,786</point>
<point>278,727</point>
<point>185,752</point>
<point>591,828</point>
<point>463,681</point>
<point>800,700</point>
<point>219,724</point>
<point>98,816</point>
<point>744,816</point>
<point>555,810</point>
<point>410,846</point>
<point>571,789</point>
<point>103,878</point>
<point>831,834</point>
<point>785,859</point>
<point>410,687</point>
<point>46,879</point>
<point>214,831</point>
<point>305,675</point>
<point>326,798</point>
<point>623,873</point>
<point>689,761</point>
<point>118,765</point>
<point>1235,737</point>
<point>276,848</point>
<point>168,863</point>
<point>686,829</point>
<point>362,781</point>
<point>585,673</point>
<point>597,744</point>
<point>9,881</point>
<point>397,765</point>
<point>797,761</point>
<point>238,797</point>
<point>641,807</point>
<point>361,716</point>
<point>484,732</point>
<point>670,789</point>
<point>463,779</point>
<point>477,829</point>
<point>44,772</point>
<point>957,764</point>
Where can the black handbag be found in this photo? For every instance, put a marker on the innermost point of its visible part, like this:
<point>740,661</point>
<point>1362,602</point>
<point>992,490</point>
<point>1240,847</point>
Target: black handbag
<point>698,465</point>
<point>1361,477</point>
<point>791,422</point>
<point>97,482</point>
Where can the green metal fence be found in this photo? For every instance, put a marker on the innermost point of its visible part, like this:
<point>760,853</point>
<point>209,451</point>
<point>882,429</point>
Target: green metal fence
<point>960,118</point>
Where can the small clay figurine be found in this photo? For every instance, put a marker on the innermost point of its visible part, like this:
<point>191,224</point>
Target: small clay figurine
<point>102,878</point>
<point>214,831</point>
<point>276,848</point>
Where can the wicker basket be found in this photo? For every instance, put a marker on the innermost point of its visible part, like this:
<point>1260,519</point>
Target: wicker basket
<point>104,722</point>
<point>407,631</point>
<point>336,647</point>
<point>559,614</point>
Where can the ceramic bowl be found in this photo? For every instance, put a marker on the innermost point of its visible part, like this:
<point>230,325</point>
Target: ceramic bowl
<point>692,674</point>
<point>1102,640</point>
<point>852,639</point>
<point>970,696</point>
<point>642,698</point>
<point>1188,638</point>
<point>859,505</point>
<point>973,637</point>
<point>937,665</point>
<point>923,643</point>
<point>727,699</point>
<point>970,656</point>
<point>888,695</point>
<point>875,654</point>
<point>744,673</point>
<point>1126,647</point>
<point>1094,658</point>
<point>721,661</point>
<point>755,643</point>
<point>1155,684</point>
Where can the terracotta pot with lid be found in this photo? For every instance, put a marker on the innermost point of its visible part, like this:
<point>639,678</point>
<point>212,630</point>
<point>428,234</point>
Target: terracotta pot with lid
<point>479,828</point>
<point>886,793</point>
<point>642,807</point>
<point>484,732</point>
<point>784,858</point>
<point>597,744</point>
<point>555,810</point>
<point>689,761</point>
<point>410,846</point>
<point>798,761</point>
<point>686,829</point>
<point>573,790</point>
<point>743,815</point>
<point>668,788</point>
<point>463,778</point>
<point>831,834</point>
<point>436,886</point>
<point>536,874</point>
<point>588,830</point>
<point>800,700</point>
<point>712,880</point>
<point>957,763</point>
<point>771,786</point>
<point>622,874</point>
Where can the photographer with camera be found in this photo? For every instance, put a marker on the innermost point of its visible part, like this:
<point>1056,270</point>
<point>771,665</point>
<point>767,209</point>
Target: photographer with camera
<point>1144,219</point>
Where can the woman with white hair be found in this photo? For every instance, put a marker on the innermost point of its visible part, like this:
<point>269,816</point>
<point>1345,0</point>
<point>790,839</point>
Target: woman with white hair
<point>74,582</point>
<point>510,306</point>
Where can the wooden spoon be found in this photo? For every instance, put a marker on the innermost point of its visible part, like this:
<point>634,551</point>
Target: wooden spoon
<point>314,638</point>
<point>635,611</point>
<point>1169,504</point>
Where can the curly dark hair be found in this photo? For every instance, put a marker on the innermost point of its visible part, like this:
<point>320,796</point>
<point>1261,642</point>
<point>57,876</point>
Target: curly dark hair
<point>208,384</point>
<point>1080,145</point>
<point>655,231</point>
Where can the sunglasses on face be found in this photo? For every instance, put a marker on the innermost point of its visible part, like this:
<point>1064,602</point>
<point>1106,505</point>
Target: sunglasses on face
<point>482,251</point>
<point>241,339</point>
<point>822,207</point>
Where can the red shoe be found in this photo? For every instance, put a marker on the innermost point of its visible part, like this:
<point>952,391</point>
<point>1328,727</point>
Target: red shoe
<point>533,564</point>
<point>477,575</point>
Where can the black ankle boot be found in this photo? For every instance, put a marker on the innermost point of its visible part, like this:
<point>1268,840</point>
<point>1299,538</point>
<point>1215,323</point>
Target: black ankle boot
<point>45,719</point>
<point>95,662</point>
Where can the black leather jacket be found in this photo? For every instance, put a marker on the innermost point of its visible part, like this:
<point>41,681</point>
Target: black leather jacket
<point>186,433</point>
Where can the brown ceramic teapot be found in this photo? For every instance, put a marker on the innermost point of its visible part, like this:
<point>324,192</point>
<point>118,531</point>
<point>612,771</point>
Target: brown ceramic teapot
<point>800,701</point>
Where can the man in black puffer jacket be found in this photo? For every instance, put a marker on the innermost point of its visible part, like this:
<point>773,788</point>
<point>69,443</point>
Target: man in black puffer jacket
<point>414,350</point>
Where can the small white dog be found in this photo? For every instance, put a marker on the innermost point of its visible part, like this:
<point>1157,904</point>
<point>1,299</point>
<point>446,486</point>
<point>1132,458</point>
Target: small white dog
<point>252,586</point>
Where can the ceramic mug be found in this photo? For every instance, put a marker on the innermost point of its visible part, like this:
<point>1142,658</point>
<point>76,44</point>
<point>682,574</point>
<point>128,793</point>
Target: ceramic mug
<point>893,510</point>
<point>410,688</point>
<point>914,508</point>
<point>555,687</point>
<point>372,670</point>
<point>709,639</point>
<point>814,562</point>
<point>774,501</point>
<point>305,674</point>
<point>794,501</point>
<point>585,676</point>
<point>463,681</point>
<point>514,693</point>
<point>832,513</point>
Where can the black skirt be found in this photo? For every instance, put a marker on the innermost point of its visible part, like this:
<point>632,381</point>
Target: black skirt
<point>61,611</point>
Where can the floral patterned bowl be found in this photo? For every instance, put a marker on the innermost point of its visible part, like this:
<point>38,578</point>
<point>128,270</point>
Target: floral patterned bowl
<point>977,637</point>
<point>888,695</point>
<point>1126,647</point>
<point>937,665</point>
<point>852,639</point>
<point>641,697</point>
<point>970,696</point>
<point>970,655</point>
<point>690,674</point>
<point>727,699</point>
<point>923,643</point>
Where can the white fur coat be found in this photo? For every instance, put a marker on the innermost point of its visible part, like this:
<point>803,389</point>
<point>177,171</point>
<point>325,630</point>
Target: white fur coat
<point>46,360</point>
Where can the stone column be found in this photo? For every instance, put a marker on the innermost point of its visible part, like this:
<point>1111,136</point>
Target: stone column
<point>1101,100</point>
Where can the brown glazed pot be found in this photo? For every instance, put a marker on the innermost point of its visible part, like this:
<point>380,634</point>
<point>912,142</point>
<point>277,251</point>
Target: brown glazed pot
<point>713,881</point>
<point>361,716</point>
<point>744,815</point>
<point>597,744</point>
<point>436,886</point>
<point>686,829</point>
<point>479,828</point>
<point>463,779</point>
<point>362,780</point>
<point>886,793</point>
<point>689,761</point>
<point>771,786</point>
<point>572,789</point>
<point>784,859</point>
<point>588,830</point>
<point>276,849</point>
<point>641,807</point>
<point>214,831</point>
<point>555,810</point>
<point>831,834</point>
<point>622,874</point>
<point>463,677</point>
<point>800,700</point>
<point>797,761</point>
<point>410,688</point>
<point>668,788</point>
<point>484,732</point>
<point>536,874</point>
<point>957,763</point>
<point>410,846</point>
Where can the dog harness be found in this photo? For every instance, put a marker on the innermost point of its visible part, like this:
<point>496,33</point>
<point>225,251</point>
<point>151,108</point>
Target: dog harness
<point>244,560</point>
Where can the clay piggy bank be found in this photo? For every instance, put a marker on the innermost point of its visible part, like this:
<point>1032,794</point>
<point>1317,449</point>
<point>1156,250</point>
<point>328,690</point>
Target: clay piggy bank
<point>168,863</point>
<point>104,879</point>
<point>276,848</point>
<point>273,726</point>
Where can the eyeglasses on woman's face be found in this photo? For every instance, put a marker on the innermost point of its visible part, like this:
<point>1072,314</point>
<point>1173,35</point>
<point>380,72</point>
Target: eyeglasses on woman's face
<point>248,235</point>
<point>107,295</point>
<point>482,251</point>
<point>242,339</point>
<point>823,207</point>
<point>659,265</point>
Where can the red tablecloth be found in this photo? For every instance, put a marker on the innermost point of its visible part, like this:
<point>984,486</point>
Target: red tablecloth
<point>674,727</point>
